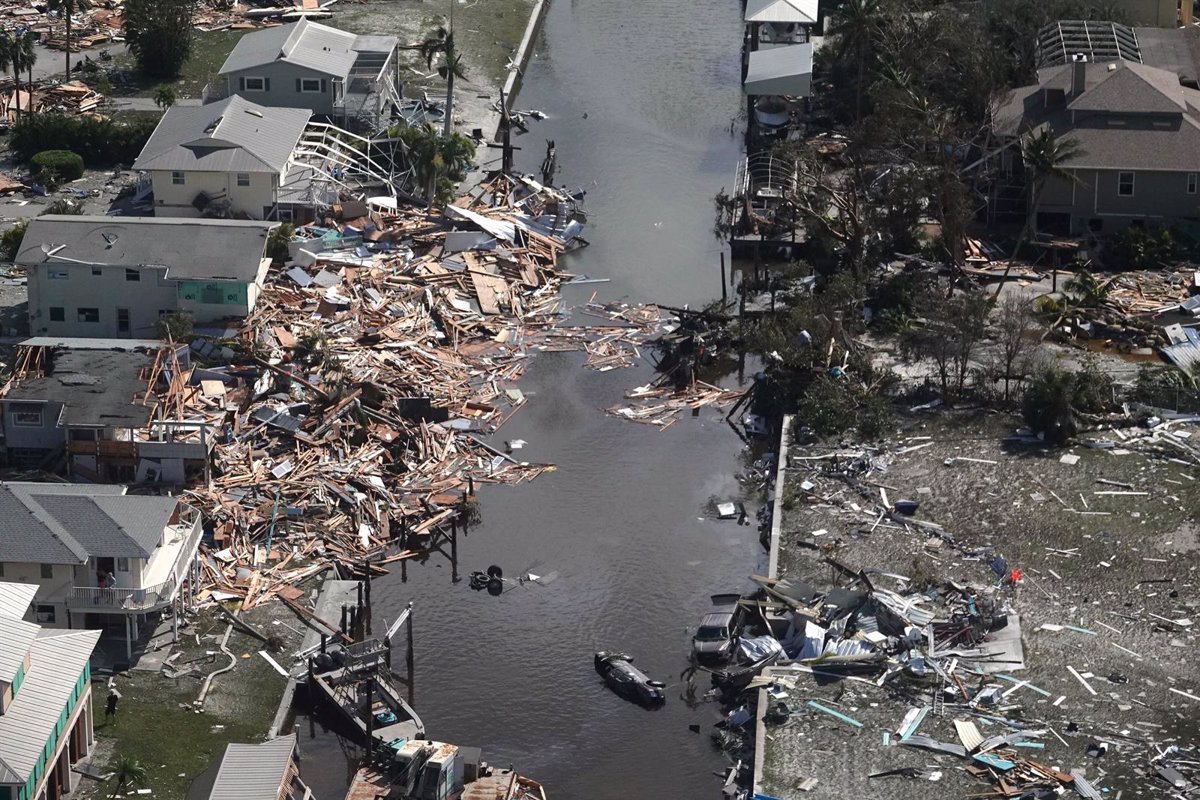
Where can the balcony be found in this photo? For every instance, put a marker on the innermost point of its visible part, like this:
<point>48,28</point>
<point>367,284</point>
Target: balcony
<point>183,542</point>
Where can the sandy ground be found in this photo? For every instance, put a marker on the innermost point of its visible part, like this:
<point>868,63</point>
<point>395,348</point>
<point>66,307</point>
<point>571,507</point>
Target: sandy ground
<point>1132,557</point>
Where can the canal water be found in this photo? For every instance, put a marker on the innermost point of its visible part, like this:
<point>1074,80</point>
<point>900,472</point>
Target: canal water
<point>641,98</point>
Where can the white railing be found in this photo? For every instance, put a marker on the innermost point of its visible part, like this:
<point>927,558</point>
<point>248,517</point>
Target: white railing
<point>83,598</point>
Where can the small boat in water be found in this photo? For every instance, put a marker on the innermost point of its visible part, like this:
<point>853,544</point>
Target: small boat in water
<point>628,681</point>
<point>357,683</point>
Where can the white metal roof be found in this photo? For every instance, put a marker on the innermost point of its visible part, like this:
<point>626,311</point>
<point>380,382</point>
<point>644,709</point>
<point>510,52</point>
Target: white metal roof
<point>16,636</point>
<point>233,135</point>
<point>15,598</point>
<point>802,12</point>
<point>253,771</point>
<point>783,70</point>
<point>304,43</point>
<point>57,659</point>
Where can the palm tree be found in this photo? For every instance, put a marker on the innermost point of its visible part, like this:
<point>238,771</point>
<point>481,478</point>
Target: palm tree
<point>31,56</point>
<point>128,772</point>
<point>434,157</point>
<point>67,8</point>
<point>16,52</point>
<point>165,97</point>
<point>1044,155</point>
<point>855,24</point>
<point>451,67</point>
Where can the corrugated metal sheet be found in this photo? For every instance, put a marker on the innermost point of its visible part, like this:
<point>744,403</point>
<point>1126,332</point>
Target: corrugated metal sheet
<point>15,598</point>
<point>253,771</point>
<point>968,734</point>
<point>57,659</point>
<point>233,135</point>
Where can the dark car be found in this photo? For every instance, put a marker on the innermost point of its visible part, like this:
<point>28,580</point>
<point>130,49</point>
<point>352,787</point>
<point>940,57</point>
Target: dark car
<point>628,681</point>
<point>717,635</point>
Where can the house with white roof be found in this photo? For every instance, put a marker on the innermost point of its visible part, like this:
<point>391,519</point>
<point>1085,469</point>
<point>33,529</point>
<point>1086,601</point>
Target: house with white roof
<point>96,555</point>
<point>45,701</point>
<point>346,77</point>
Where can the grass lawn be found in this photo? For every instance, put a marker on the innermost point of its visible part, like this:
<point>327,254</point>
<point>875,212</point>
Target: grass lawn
<point>208,54</point>
<point>157,726</point>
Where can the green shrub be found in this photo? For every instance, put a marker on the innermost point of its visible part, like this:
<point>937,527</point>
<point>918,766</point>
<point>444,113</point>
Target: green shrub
<point>62,206</point>
<point>1136,248</point>
<point>10,240</point>
<point>63,165</point>
<point>99,142</point>
<point>277,242</point>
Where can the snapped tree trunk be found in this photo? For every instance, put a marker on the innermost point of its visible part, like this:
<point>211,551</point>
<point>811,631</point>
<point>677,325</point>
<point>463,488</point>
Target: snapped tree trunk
<point>17,81</point>
<point>67,14</point>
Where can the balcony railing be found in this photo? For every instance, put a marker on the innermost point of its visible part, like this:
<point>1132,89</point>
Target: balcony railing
<point>95,598</point>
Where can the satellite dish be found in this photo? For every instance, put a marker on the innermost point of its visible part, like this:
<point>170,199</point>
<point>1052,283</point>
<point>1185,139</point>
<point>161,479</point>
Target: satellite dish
<point>46,249</point>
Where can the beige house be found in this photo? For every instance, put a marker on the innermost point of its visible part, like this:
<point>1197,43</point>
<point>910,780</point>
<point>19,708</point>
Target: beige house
<point>96,554</point>
<point>45,701</point>
<point>232,158</point>
<point>115,277</point>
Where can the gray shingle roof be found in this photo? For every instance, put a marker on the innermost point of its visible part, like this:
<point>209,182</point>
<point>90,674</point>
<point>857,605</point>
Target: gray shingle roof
<point>15,598</point>
<point>191,249</point>
<point>16,636</point>
<point>1132,89</point>
<point>233,135</point>
<point>253,771</point>
<point>57,659</point>
<point>41,525</point>
<point>305,44</point>
<point>1112,90</point>
<point>125,526</point>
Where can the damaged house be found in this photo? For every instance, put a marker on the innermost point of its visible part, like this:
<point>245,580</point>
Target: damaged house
<point>104,410</point>
<point>117,276</point>
<point>226,159</point>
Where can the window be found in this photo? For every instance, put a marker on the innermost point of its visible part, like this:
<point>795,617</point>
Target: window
<point>177,179</point>
<point>87,315</point>
<point>58,273</point>
<point>1191,182</point>
<point>254,84</point>
<point>26,415</point>
<point>1125,184</point>
<point>310,85</point>
<point>243,179</point>
<point>1,569</point>
<point>123,320</point>
<point>97,271</point>
<point>58,314</point>
<point>47,570</point>
<point>122,565</point>
<point>133,274</point>
<point>44,614</point>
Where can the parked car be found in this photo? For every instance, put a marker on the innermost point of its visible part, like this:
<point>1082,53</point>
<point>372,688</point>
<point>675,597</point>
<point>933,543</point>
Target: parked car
<point>716,637</point>
<point>628,681</point>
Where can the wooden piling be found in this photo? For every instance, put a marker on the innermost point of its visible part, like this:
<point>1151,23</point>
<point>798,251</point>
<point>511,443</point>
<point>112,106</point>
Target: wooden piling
<point>724,293</point>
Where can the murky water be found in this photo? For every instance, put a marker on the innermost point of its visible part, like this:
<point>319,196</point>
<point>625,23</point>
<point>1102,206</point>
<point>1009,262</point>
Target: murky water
<point>641,96</point>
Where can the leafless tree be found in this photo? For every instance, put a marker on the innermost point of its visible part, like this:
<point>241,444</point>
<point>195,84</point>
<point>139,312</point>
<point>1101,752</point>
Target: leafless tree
<point>1015,326</point>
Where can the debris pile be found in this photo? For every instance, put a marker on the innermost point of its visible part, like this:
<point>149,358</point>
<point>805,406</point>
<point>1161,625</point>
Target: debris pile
<point>371,369</point>
<point>71,98</point>
<point>936,672</point>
